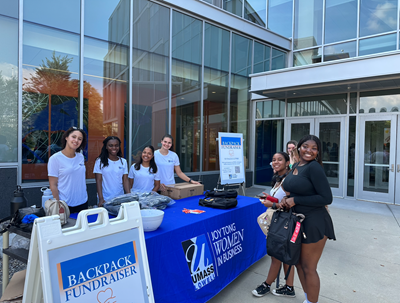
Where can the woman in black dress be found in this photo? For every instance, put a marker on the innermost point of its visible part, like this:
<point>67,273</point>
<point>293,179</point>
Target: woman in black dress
<point>309,194</point>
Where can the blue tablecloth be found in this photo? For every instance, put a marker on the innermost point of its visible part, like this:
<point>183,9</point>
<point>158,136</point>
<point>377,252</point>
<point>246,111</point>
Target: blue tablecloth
<point>193,257</point>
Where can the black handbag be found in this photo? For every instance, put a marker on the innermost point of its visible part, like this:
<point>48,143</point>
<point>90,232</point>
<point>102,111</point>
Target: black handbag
<point>220,203</point>
<point>284,237</point>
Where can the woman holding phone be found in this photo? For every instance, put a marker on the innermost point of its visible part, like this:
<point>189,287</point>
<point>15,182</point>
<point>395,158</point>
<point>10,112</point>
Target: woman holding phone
<point>280,164</point>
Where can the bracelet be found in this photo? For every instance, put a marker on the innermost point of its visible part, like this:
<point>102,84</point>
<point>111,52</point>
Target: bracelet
<point>274,206</point>
<point>189,180</point>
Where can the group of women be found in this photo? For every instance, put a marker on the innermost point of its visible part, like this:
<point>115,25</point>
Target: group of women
<point>300,183</point>
<point>66,170</point>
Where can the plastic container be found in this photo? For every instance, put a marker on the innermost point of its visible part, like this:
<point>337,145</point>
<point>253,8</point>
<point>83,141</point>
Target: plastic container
<point>47,194</point>
<point>151,219</point>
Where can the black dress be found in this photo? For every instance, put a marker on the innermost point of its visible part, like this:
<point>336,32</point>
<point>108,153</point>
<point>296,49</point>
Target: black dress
<point>311,192</point>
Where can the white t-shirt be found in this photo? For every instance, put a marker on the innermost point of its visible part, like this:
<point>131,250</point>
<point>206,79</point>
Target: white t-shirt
<point>143,179</point>
<point>279,193</point>
<point>71,177</point>
<point>112,177</point>
<point>166,166</point>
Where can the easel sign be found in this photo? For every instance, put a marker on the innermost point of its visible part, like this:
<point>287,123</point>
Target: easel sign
<point>102,262</point>
<point>231,160</point>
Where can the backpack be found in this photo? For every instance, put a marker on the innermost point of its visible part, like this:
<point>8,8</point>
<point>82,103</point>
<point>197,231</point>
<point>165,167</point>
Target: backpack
<point>54,207</point>
<point>284,236</point>
<point>229,193</point>
<point>221,203</point>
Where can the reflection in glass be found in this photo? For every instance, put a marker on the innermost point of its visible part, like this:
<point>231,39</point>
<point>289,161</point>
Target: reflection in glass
<point>280,14</point>
<point>329,134</point>
<point>340,51</point>
<point>107,20</point>
<point>318,105</point>
<point>240,85</point>
<point>307,23</point>
<point>377,16</point>
<point>255,11</point>
<point>376,156</point>
<point>377,45</point>
<point>299,130</point>
<point>269,140</point>
<point>186,85</point>
<point>270,109</point>
<point>216,80</point>
<point>9,8</point>
<point>64,15</point>
<point>262,55</point>
<point>150,67</point>
<point>278,59</point>
<point>340,20</point>
<point>351,156</point>
<point>233,6</point>
<point>50,98</point>
<point>370,101</point>
<point>8,84</point>
<point>307,57</point>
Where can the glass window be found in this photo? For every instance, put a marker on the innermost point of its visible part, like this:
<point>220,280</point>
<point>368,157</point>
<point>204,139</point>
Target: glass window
<point>262,55</point>
<point>186,85</point>
<point>255,11</point>
<point>307,57</point>
<point>150,76</point>
<point>233,6</point>
<point>105,75</point>
<point>318,105</point>
<point>215,2</point>
<point>50,97</point>
<point>9,81</point>
<point>269,140</point>
<point>280,15</point>
<point>377,16</point>
<point>379,44</point>
<point>340,51</point>
<point>59,14</point>
<point>307,23</point>
<point>380,101</point>
<point>240,85</point>
<point>340,20</point>
<point>270,109</point>
<point>278,59</point>
<point>107,20</point>
<point>351,156</point>
<point>216,80</point>
<point>353,103</point>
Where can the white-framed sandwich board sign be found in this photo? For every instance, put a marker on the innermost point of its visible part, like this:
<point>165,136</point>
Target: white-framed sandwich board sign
<point>231,160</point>
<point>101,262</point>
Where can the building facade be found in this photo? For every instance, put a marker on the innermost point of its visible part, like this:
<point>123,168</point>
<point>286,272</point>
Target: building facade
<point>138,69</point>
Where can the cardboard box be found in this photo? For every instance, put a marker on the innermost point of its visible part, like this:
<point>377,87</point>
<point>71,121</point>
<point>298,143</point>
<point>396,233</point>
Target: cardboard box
<point>183,190</point>
<point>15,289</point>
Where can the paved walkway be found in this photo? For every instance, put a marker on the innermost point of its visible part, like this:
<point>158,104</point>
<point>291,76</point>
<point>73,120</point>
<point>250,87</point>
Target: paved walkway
<point>363,265</point>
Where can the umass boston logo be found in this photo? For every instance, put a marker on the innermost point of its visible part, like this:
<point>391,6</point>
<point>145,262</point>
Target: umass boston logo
<point>199,260</point>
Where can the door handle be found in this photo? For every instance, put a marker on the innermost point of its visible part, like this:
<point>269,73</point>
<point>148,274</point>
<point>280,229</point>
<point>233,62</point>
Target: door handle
<point>392,169</point>
<point>398,167</point>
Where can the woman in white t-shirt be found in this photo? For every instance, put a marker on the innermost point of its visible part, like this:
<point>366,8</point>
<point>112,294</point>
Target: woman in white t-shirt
<point>168,163</point>
<point>111,171</point>
<point>280,164</point>
<point>66,171</point>
<point>143,175</point>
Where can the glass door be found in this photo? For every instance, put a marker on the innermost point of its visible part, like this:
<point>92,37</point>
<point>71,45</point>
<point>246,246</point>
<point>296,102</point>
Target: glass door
<point>376,168</point>
<point>330,131</point>
<point>297,128</point>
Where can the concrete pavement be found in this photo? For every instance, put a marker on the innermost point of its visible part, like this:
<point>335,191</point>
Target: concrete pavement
<point>362,265</point>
